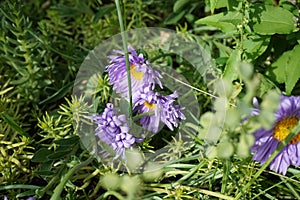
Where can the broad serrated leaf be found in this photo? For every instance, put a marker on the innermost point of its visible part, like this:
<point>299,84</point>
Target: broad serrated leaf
<point>225,22</point>
<point>269,20</point>
<point>255,46</point>
<point>230,72</point>
<point>286,69</point>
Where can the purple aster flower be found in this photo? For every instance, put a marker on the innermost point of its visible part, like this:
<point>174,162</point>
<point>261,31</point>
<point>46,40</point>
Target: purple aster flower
<point>29,198</point>
<point>266,141</point>
<point>113,130</point>
<point>141,72</point>
<point>160,109</point>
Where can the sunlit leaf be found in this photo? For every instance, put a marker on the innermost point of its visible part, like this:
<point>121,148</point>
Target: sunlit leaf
<point>269,20</point>
<point>226,22</point>
<point>233,61</point>
<point>286,69</point>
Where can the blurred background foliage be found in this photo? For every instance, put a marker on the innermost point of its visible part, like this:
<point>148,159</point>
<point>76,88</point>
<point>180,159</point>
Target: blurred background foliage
<point>42,45</point>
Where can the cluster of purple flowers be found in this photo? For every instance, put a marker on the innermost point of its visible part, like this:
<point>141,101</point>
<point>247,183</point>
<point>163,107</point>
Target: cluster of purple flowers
<point>112,128</point>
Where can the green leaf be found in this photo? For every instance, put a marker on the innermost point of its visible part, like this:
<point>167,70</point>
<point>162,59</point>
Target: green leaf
<point>286,69</point>
<point>19,186</point>
<point>46,166</point>
<point>254,46</point>
<point>269,20</point>
<point>214,4</point>
<point>174,17</point>
<point>290,7</point>
<point>59,94</point>
<point>67,141</point>
<point>58,155</point>
<point>233,4</point>
<point>41,155</point>
<point>11,122</point>
<point>103,11</point>
<point>230,72</point>
<point>26,194</point>
<point>180,4</point>
<point>45,173</point>
<point>225,22</point>
<point>265,85</point>
<point>224,50</point>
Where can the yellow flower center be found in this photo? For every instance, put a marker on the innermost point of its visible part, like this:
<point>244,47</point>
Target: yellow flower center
<point>283,129</point>
<point>137,75</point>
<point>150,105</point>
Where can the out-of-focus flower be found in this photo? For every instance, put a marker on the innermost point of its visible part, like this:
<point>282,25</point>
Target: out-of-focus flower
<point>29,198</point>
<point>266,141</point>
<point>141,72</point>
<point>159,108</point>
<point>113,130</point>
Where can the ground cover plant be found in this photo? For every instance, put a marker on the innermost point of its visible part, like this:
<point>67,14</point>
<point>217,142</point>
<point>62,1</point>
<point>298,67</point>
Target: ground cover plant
<point>209,111</point>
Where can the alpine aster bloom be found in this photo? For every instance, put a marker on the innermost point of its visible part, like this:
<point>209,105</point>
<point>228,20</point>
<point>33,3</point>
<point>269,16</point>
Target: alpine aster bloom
<point>113,130</point>
<point>140,70</point>
<point>159,108</point>
<point>266,141</point>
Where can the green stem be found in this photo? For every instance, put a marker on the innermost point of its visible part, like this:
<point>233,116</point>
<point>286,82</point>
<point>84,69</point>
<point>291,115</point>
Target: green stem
<point>285,142</point>
<point>125,47</point>
<point>52,181</point>
<point>114,193</point>
<point>291,188</point>
<point>226,171</point>
<point>161,188</point>
<point>60,187</point>
<point>142,115</point>
<point>161,56</point>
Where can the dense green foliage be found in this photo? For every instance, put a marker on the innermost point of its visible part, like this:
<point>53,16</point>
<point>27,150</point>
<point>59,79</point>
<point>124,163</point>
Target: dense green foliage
<point>255,46</point>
